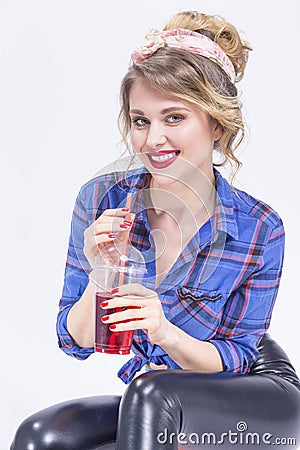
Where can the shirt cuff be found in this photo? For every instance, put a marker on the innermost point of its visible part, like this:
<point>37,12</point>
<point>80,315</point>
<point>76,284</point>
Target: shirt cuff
<point>234,357</point>
<point>65,341</point>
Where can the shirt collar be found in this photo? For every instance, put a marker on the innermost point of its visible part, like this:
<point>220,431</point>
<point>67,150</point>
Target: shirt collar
<point>224,219</point>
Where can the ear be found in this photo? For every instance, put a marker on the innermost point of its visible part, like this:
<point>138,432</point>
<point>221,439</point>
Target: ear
<point>217,131</point>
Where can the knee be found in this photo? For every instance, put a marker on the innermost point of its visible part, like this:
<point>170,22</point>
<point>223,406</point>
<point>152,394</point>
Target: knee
<point>287,405</point>
<point>148,405</point>
<point>44,430</point>
<point>153,390</point>
<point>32,435</point>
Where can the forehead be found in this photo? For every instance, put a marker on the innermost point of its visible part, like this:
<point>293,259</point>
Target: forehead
<point>143,92</point>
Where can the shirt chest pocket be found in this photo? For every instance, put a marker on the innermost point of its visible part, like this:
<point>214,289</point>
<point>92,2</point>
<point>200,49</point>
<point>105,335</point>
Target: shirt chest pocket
<point>197,311</point>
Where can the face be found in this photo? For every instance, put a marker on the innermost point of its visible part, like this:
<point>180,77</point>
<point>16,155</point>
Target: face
<point>171,137</point>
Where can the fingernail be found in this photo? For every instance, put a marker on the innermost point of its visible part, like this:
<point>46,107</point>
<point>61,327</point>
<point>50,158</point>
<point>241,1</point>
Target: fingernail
<point>113,327</point>
<point>115,290</point>
<point>104,318</point>
<point>112,236</point>
<point>125,209</point>
<point>123,226</point>
<point>103,304</point>
<point>127,222</point>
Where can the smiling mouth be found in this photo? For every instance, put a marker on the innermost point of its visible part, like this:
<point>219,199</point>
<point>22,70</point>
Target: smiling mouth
<point>163,155</point>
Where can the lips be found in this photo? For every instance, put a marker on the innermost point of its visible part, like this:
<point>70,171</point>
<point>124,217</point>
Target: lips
<point>163,159</point>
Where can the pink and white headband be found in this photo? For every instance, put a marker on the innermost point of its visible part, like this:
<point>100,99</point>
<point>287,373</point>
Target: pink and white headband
<point>186,40</point>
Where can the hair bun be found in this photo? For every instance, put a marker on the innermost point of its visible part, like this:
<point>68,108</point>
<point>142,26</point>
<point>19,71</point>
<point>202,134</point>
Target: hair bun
<point>220,31</point>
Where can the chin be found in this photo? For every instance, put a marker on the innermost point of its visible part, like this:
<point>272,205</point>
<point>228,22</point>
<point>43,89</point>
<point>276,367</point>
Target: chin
<point>163,180</point>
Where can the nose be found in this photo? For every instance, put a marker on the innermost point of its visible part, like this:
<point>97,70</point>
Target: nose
<point>156,136</point>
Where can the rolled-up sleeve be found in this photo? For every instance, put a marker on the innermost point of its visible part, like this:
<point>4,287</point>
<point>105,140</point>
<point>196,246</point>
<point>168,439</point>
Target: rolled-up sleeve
<point>247,312</point>
<point>75,279</point>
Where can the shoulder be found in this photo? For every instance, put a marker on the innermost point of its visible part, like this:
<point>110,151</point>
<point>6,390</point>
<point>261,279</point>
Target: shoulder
<point>257,222</point>
<point>246,205</point>
<point>246,215</point>
<point>101,182</point>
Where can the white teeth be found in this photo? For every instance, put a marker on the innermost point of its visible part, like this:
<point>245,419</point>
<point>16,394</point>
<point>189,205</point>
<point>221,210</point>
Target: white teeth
<point>163,158</point>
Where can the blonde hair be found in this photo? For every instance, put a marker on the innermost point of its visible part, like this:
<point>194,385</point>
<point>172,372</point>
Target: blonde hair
<point>196,79</point>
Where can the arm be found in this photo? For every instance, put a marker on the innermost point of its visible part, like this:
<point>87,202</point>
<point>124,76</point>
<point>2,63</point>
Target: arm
<point>81,318</point>
<point>190,353</point>
<point>76,284</point>
<point>75,324</point>
<point>247,313</point>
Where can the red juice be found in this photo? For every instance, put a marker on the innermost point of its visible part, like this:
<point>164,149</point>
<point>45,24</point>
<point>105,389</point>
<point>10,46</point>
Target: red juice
<point>107,341</point>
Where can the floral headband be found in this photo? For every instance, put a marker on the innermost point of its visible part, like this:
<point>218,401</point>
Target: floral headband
<point>186,40</point>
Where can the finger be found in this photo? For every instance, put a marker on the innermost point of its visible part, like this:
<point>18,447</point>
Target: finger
<point>130,216</point>
<point>111,227</point>
<point>117,212</point>
<point>116,218</point>
<point>128,301</point>
<point>104,237</point>
<point>131,325</point>
<point>133,289</point>
<point>112,224</point>
<point>125,315</point>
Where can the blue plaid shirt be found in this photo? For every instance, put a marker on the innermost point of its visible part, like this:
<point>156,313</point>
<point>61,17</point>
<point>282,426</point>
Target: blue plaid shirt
<point>221,289</point>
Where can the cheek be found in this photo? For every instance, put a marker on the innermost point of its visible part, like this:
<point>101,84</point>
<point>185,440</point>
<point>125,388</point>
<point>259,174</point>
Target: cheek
<point>201,136</point>
<point>137,141</point>
<point>190,138</point>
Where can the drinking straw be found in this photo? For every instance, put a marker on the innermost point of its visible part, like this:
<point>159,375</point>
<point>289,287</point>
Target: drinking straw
<point>125,237</point>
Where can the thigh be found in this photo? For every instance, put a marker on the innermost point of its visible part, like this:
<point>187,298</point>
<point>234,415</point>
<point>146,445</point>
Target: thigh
<point>193,410</point>
<point>236,411</point>
<point>81,424</point>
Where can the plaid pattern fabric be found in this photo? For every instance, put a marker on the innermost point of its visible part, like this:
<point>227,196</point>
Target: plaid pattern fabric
<point>221,289</point>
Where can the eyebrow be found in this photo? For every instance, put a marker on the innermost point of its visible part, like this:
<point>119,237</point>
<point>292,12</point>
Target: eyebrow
<point>163,111</point>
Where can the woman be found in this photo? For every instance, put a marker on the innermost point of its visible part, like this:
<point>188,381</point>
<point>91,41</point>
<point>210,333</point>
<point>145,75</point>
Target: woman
<point>214,259</point>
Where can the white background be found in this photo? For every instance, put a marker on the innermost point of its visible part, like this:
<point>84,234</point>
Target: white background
<point>61,63</point>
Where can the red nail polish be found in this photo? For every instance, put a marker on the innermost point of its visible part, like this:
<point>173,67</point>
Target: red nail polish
<point>113,327</point>
<point>127,222</point>
<point>103,304</point>
<point>125,209</point>
<point>123,226</point>
<point>104,318</point>
<point>111,236</point>
<point>115,290</point>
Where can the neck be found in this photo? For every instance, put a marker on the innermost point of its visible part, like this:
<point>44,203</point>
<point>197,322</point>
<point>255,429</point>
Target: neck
<point>195,196</point>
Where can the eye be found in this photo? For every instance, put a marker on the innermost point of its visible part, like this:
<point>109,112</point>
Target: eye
<point>175,118</point>
<point>139,121</point>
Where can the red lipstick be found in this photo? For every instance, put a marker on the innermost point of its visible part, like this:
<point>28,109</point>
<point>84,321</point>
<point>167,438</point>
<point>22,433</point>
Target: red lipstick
<point>163,158</point>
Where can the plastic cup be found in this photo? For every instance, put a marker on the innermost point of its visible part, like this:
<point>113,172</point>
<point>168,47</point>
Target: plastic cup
<point>107,278</point>
<point>106,341</point>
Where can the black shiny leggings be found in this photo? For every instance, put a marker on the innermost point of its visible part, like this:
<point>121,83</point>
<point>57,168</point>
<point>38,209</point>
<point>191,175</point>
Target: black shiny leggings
<point>164,410</point>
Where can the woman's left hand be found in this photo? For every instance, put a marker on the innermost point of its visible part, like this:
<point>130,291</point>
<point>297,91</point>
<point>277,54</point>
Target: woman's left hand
<point>144,311</point>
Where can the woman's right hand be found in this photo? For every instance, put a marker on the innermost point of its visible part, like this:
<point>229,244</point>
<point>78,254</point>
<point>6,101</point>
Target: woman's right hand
<point>111,224</point>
